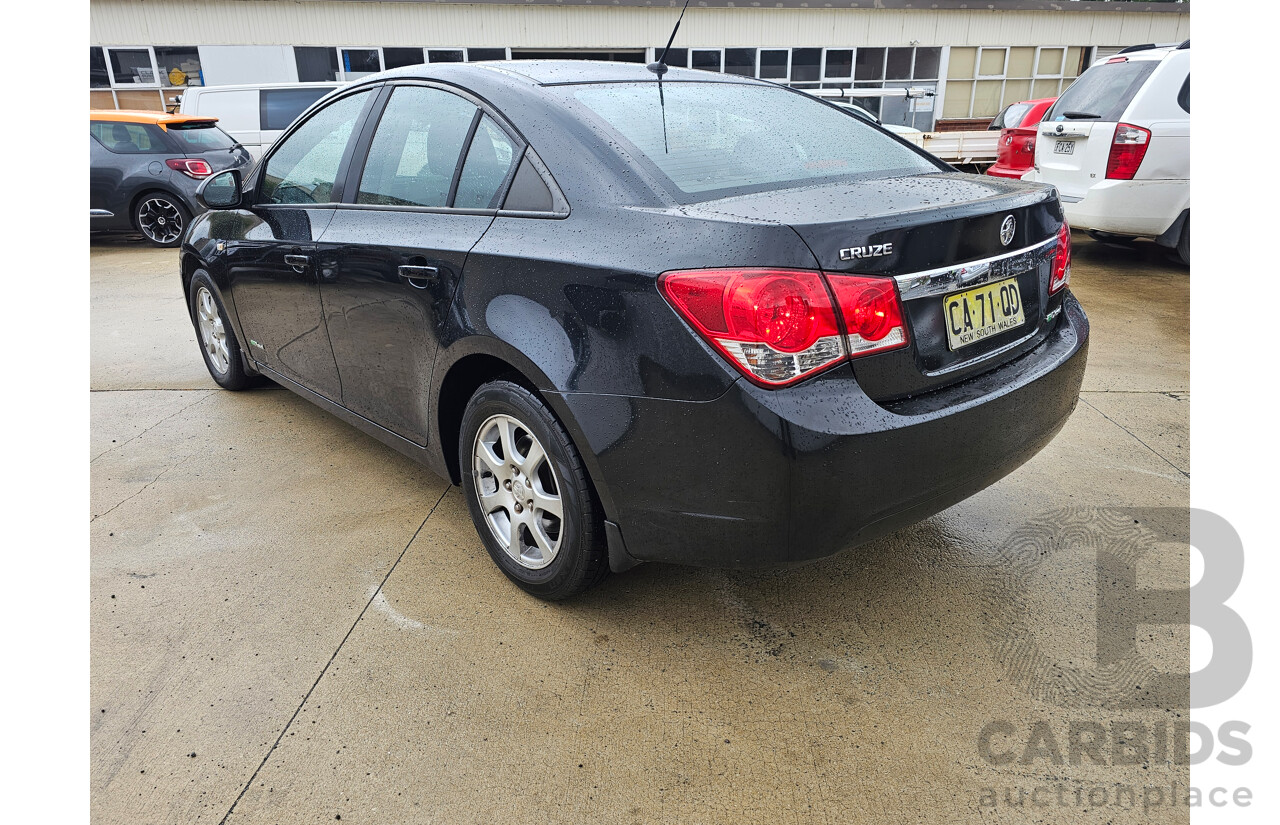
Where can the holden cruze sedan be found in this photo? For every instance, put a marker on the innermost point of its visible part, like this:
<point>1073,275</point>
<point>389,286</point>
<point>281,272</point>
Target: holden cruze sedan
<point>680,317</point>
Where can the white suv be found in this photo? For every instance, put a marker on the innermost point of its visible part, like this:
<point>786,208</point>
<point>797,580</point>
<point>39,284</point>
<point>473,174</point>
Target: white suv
<point>1117,144</point>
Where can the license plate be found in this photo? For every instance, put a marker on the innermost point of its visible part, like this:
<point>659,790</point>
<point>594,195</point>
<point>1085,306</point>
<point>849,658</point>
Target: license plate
<point>979,313</point>
<point>1064,147</point>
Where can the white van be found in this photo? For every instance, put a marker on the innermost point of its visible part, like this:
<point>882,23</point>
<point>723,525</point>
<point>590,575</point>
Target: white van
<point>1117,144</point>
<point>254,115</point>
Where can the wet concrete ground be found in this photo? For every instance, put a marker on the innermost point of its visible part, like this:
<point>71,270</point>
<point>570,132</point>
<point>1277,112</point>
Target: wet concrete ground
<point>293,623</point>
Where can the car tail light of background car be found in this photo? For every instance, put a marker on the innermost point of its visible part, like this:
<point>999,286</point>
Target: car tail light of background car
<point>1128,148</point>
<point>191,167</point>
<point>1061,274</point>
<point>778,326</point>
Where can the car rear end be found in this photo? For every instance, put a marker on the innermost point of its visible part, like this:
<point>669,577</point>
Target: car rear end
<point>1018,124</point>
<point>203,150</point>
<point>921,346</point>
<point>1117,145</point>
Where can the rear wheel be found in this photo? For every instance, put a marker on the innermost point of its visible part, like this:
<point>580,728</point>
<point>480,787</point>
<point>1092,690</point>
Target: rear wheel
<point>529,494</point>
<point>161,218</point>
<point>1184,243</point>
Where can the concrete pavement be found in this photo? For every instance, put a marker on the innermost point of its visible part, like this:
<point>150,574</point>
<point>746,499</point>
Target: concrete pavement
<point>293,623</point>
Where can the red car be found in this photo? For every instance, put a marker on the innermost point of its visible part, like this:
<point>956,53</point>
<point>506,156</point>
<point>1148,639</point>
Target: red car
<point>1017,124</point>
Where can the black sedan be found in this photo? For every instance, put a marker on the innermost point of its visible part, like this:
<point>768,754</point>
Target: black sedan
<point>685,317</point>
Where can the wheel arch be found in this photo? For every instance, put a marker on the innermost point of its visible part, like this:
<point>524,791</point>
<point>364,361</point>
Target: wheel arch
<point>487,359</point>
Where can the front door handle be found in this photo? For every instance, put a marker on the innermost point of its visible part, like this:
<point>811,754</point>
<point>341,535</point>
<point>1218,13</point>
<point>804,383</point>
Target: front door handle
<point>298,262</point>
<point>419,277</point>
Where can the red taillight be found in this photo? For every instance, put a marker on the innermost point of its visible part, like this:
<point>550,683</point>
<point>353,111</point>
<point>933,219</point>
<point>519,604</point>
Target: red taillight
<point>778,326</point>
<point>1061,275</point>
<point>1128,148</point>
<point>191,167</point>
<point>872,312</point>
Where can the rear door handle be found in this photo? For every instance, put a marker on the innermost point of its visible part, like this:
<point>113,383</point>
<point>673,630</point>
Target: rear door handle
<point>298,262</point>
<point>419,276</point>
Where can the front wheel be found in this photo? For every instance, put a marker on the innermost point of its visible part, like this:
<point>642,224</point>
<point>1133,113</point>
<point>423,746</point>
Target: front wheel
<point>529,494</point>
<point>217,340</point>
<point>160,218</point>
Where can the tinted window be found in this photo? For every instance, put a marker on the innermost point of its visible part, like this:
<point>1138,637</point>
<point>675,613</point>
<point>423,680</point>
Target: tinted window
<point>394,58</point>
<point>200,137</point>
<point>279,108</point>
<point>474,53</point>
<point>415,149</point>
<point>304,168</point>
<point>316,63</point>
<point>131,66</point>
<point>98,78</point>
<point>489,159</point>
<point>714,137</point>
<point>129,138</point>
<point>1184,95</point>
<point>1104,90</point>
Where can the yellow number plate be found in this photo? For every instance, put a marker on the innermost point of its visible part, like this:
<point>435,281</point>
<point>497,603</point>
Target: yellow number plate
<point>980,313</point>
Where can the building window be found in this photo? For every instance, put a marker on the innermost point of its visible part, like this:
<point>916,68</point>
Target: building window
<point>98,77</point>
<point>132,67</point>
<point>316,63</point>
<point>394,58</point>
<point>740,62</point>
<point>358,63</point>
<point>775,64</point>
<point>474,54</point>
<point>981,82</point>
<point>445,55</point>
<point>179,66</point>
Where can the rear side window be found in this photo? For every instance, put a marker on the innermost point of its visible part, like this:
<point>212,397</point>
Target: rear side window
<point>1184,95</point>
<point>129,138</point>
<point>200,137</point>
<point>416,147</point>
<point>1103,92</point>
<point>489,160</point>
<point>304,167</point>
<point>716,139</point>
<point>279,108</point>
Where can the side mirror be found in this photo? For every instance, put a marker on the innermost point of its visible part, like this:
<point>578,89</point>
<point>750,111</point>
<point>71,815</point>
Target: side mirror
<point>222,191</point>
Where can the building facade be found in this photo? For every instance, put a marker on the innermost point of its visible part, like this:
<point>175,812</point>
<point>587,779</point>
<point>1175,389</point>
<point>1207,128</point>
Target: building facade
<point>935,64</point>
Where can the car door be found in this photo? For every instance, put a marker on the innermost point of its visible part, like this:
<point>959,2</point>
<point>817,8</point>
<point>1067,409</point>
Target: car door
<point>270,257</point>
<point>435,169</point>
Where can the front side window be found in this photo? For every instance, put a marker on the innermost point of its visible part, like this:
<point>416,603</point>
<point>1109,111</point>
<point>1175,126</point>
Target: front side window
<point>128,138</point>
<point>707,138</point>
<point>416,147</point>
<point>304,168</point>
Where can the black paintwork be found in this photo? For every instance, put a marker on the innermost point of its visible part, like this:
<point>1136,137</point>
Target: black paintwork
<point>692,463</point>
<point>117,180</point>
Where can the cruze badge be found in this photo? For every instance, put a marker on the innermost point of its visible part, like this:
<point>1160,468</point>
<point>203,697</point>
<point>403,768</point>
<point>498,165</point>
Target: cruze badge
<point>874,250</point>
<point>1006,230</point>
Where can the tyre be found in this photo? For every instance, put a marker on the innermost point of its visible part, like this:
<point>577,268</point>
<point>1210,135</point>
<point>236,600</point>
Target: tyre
<point>529,494</point>
<point>161,218</point>
<point>1184,243</point>
<point>218,343</point>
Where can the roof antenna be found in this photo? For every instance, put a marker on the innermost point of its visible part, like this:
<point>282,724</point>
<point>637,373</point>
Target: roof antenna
<point>659,66</point>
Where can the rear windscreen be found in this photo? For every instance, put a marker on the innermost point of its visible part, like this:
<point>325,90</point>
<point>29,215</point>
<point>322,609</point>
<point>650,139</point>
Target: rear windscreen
<point>1103,92</point>
<point>280,107</point>
<point>200,137</point>
<point>1011,117</point>
<point>715,139</point>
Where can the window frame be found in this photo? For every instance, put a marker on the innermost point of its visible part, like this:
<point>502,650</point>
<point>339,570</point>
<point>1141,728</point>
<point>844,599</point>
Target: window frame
<point>352,168</point>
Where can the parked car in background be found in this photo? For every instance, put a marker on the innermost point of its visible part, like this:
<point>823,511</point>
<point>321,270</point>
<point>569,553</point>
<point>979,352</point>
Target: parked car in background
<point>870,117</point>
<point>1016,152</point>
<point>1117,144</point>
<point>687,317</point>
<point>254,115</point>
<point>144,168</point>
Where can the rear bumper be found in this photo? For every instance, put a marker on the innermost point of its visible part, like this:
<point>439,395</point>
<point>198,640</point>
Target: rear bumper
<point>1000,171</point>
<point>1143,208</point>
<point>764,477</point>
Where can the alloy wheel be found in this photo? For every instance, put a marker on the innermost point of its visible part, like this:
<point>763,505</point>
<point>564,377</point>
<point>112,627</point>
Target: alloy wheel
<point>160,220</point>
<point>518,491</point>
<point>213,334</point>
